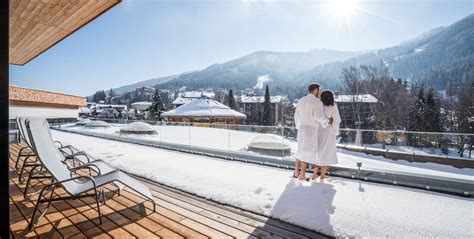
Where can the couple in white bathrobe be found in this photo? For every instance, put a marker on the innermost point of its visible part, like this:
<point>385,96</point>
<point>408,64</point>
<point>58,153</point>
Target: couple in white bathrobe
<point>317,120</point>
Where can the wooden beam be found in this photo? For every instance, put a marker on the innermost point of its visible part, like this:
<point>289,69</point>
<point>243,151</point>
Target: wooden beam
<point>36,25</point>
<point>21,95</point>
<point>42,104</point>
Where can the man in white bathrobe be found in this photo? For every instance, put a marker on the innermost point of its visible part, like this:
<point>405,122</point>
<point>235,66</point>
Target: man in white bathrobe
<point>309,116</point>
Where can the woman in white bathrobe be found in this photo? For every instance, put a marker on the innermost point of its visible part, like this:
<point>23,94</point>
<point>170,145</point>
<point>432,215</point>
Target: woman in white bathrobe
<point>327,136</point>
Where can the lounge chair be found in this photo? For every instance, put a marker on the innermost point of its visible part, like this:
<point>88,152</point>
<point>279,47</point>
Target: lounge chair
<point>27,153</point>
<point>77,186</point>
<point>73,162</point>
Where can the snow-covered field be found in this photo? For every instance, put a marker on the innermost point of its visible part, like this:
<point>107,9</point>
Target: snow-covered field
<point>337,207</point>
<point>234,140</point>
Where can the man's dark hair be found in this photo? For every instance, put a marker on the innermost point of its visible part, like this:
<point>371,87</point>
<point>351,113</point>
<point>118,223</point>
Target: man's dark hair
<point>327,97</point>
<point>313,87</point>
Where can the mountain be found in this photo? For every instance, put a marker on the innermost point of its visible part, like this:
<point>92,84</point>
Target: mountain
<point>245,71</point>
<point>439,56</point>
<point>150,82</point>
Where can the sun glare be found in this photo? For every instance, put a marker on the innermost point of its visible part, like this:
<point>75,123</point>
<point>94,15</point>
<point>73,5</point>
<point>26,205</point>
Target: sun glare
<point>342,8</point>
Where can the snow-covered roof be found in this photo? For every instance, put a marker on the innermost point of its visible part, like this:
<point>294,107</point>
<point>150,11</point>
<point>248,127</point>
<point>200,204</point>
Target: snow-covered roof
<point>197,94</point>
<point>84,110</point>
<point>83,121</point>
<point>260,99</point>
<point>138,128</point>
<point>108,105</point>
<point>204,107</point>
<point>145,103</point>
<point>188,96</point>
<point>366,98</point>
<point>181,101</point>
<point>269,141</point>
<point>97,123</point>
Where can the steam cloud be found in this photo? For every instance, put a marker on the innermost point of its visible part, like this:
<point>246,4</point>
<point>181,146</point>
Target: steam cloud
<point>261,81</point>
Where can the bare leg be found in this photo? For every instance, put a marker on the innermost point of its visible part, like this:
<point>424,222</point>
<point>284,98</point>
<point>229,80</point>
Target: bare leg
<point>296,173</point>
<point>323,171</point>
<point>303,171</point>
<point>315,172</point>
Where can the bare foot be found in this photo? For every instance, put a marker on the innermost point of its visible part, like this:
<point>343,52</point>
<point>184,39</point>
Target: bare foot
<point>314,177</point>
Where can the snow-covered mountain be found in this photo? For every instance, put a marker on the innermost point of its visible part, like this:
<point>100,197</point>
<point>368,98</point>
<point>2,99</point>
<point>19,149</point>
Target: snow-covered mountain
<point>440,55</point>
<point>244,71</point>
<point>150,82</point>
<point>433,58</point>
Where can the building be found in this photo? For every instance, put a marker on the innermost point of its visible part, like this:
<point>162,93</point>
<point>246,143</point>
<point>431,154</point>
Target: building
<point>188,96</point>
<point>220,95</point>
<point>204,110</point>
<point>26,102</point>
<point>141,106</point>
<point>252,106</point>
<point>355,109</point>
<point>100,110</point>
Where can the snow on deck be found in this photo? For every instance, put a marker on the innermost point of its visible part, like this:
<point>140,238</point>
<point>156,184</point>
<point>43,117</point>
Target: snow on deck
<point>337,207</point>
<point>234,140</point>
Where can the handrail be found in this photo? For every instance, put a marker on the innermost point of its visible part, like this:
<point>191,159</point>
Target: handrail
<point>284,127</point>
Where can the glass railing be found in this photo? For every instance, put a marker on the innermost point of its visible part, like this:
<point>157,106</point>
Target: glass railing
<point>450,145</point>
<point>278,141</point>
<point>383,156</point>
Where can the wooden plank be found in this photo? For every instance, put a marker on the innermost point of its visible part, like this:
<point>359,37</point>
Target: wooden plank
<point>51,217</point>
<point>80,220</point>
<point>167,233</point>
<point>216,217</point>
<point>277,228</point>
<point>126,203</point>
<point>18,223</point>
<point>44,227</point>
<point>212,224</point>
<point>133,216</point>
<point>62,219</point>
<point>170,220</point>
<point>178,215</point>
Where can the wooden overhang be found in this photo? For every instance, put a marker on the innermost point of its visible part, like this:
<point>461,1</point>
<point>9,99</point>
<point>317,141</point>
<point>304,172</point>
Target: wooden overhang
<point>37,25</point>
<point>21,96</point>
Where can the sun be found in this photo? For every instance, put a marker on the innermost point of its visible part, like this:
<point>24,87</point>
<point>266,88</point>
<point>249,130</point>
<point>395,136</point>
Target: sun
<point>342,8</point>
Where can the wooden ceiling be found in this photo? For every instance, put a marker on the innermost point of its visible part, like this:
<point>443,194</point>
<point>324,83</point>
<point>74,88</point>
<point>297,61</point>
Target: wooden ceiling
<point>37,25</point>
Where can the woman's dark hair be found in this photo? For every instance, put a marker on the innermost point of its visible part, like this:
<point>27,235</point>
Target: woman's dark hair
<point>327,97</point>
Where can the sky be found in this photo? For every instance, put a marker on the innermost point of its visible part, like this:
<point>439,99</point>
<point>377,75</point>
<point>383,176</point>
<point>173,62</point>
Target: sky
<point>143,39</point>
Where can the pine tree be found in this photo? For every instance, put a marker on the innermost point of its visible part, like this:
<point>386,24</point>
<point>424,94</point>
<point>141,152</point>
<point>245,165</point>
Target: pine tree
<point>415,116</point>
<point>157,104</point>
<point>464,113</point>
<point>226,99</point>
<point>111,95</point>
<point>98,96</point>
<point>231,101</point>
<point>431,113</point>
<point>267,108</point>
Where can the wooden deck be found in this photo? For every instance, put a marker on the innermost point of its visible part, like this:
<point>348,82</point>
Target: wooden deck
<point>178,215</point>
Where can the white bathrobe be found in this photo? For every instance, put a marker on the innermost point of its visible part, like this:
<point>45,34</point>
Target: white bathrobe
<point>309,117</point>
<point>327,138</point>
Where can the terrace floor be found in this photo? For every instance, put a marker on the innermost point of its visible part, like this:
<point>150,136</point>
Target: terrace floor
<point>178,215</point>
